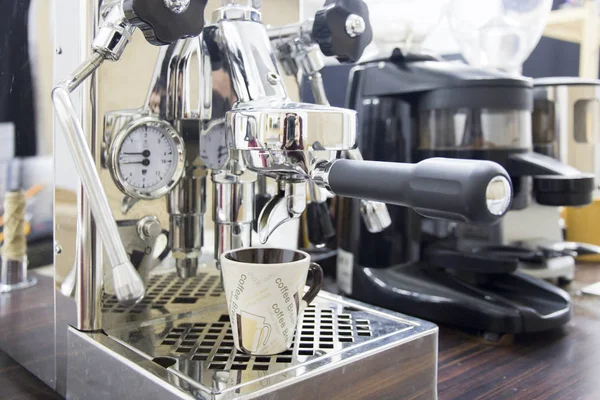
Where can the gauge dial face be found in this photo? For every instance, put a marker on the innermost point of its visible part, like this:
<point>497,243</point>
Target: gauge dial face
<point>147,160</point>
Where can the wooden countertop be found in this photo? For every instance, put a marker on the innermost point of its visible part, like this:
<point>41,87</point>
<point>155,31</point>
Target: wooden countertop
<point>16,383</point>
<point>563,364</point>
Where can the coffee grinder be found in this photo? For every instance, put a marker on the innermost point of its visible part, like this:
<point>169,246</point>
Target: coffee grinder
<point>414,106</point>
<point>501,37</point>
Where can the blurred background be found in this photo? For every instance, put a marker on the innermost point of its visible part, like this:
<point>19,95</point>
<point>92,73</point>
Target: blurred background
<point>27,58</point>
<point>38,48</point>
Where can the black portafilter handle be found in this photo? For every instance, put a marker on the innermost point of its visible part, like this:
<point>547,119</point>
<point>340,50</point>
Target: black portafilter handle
<point>469,191</point>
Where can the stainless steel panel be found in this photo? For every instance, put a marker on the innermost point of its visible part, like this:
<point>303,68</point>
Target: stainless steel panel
<point>338,347</point>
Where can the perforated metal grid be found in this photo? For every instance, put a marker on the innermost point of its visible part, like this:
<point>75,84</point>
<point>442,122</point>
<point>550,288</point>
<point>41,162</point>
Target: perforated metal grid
<point>167,289</point>
<point>200,346</point>
<point>321,330</point>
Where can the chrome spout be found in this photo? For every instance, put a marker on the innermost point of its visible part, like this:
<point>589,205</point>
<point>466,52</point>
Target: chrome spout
<point>288,203</point>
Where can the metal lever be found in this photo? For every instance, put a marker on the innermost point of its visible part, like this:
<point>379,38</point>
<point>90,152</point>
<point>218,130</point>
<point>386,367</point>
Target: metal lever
<point>375,215</point>
<point>110,43</point>
<point>129,286</point>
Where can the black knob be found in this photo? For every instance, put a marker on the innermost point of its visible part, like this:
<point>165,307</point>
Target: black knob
<point>342,29</point>
<point>556,190</point>
<point>166,21</point>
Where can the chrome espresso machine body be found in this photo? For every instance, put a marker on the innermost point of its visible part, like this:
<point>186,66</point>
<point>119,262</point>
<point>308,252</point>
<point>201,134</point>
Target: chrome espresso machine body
<point>140,311</point>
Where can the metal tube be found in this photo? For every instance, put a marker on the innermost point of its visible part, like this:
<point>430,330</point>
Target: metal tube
<point>297,29</point>
<point>82,72</point>
<point>233,210</point>
<point>89,176</point>
<point>186,205</point>
<point>129,286</point>
<point>14,272</point>
<point>88,276</point>
<point>318,88</point>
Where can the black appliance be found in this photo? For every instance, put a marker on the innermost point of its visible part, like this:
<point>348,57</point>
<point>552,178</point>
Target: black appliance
<point>413,107</point>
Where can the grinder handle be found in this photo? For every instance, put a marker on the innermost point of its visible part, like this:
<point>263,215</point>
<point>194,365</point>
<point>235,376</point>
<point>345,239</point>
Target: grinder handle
<point>458,190</point>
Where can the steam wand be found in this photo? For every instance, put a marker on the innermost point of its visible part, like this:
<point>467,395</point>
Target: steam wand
<point>110,43</point>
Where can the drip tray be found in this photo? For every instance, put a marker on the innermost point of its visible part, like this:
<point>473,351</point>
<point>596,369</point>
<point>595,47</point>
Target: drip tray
<point>341,348</point>
<point>209,345</point>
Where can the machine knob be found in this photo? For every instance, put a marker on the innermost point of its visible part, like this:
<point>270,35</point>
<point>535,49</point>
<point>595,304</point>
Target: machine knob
<point>342,29</point>
<point>166,21</point>
<point>149,228</point>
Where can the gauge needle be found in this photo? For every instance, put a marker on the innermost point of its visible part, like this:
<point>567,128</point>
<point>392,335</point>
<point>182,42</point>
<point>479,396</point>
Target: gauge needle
<point>145,153</point>
<point>143,162</point>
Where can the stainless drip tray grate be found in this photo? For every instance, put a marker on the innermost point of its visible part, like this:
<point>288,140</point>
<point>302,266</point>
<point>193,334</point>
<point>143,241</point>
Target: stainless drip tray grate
<point>167,290</point>
<point>199,344</point>
<point>322,330</point>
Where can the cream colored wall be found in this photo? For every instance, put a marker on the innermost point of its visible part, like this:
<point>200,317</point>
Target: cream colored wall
<point>41,50</point>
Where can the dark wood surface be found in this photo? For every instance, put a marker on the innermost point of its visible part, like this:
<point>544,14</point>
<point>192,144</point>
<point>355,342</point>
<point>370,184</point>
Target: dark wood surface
<point>16,383</point>
<point>563,364</point>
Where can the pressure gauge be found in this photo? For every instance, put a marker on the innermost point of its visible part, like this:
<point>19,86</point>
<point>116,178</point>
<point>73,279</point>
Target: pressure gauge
<point>146,159</point>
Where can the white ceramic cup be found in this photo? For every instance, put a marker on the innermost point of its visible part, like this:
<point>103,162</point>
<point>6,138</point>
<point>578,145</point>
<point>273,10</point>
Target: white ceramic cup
<point>265,295</point>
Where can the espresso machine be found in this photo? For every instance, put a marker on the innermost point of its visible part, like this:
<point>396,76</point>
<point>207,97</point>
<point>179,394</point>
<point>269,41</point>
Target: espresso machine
<point>136,308</point>
<point>412,106</point>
